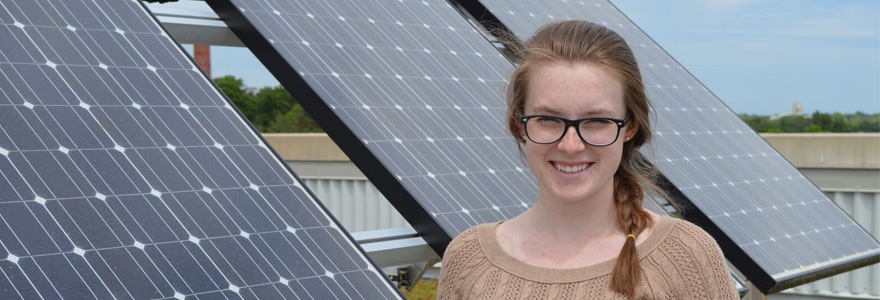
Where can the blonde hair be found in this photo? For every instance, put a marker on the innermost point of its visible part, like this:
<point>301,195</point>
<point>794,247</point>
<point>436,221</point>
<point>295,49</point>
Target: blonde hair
<point>581,42</point>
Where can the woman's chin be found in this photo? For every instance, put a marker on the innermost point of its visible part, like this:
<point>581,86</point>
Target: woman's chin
<point>569,194</point>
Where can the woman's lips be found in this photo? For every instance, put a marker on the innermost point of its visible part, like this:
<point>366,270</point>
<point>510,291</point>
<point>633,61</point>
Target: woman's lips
<point>571,168</point>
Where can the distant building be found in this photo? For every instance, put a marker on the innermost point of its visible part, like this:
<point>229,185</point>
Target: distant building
<point>251,90</point>
<point>797,109</point>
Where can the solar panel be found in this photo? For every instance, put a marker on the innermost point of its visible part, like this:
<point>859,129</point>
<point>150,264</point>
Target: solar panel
<point>409,90</point>
<point>124,173</point>
<point>773,223</point>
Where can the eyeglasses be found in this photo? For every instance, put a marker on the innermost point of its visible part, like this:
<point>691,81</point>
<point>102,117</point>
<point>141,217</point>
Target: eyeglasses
<point>598,132</point>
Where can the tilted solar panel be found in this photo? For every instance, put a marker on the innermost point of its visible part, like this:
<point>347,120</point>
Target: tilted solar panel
<point>772,223</point>
<point>409,90</point>
<point>125,173</point>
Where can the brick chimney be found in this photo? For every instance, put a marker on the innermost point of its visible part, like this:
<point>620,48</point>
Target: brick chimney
<point>202,54</point>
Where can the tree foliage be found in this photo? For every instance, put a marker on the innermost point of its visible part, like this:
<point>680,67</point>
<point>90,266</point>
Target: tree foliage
<point>817,122</point>
<point>234,89</point>
<point>271,109</point>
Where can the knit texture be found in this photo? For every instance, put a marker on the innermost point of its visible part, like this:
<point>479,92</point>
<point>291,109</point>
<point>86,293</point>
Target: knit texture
<point>679,261</point>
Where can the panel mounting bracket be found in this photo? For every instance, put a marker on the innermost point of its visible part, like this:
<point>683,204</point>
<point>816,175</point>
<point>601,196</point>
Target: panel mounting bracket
<point>401,249</point>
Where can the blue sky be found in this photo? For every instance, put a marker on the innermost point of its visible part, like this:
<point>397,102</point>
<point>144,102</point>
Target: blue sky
<point>758,56</point>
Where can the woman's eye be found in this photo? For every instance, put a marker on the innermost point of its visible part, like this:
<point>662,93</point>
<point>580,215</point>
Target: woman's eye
<point>595,123</point>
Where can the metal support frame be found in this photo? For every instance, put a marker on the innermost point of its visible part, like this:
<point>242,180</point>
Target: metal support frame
<point>194,22</point>
<point>401,250</point>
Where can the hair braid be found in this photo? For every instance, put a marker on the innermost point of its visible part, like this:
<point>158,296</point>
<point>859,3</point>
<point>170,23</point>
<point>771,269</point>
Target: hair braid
<point>633,218</point>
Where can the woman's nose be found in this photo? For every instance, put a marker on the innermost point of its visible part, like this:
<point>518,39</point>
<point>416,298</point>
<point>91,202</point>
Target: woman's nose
<point>571,142</point>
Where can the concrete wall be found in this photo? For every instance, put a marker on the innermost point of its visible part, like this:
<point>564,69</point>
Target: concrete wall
<point>845,166</point>
<point>834,162</point>
<point>828,151</point>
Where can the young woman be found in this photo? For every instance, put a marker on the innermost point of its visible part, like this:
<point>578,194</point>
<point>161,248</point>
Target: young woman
<point>578,105</point>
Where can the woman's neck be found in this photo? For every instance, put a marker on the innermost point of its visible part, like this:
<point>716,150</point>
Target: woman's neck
<point>584,219</point>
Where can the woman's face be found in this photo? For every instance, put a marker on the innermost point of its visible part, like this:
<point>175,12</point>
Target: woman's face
<point>575,91</point>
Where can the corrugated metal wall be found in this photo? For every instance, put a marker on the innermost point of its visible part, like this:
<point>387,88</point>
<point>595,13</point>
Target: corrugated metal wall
<point>356,203</point>
<point>359,207</point>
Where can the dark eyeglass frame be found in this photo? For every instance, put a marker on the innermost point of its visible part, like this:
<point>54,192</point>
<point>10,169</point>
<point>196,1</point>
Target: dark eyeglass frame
<point>576,123</point>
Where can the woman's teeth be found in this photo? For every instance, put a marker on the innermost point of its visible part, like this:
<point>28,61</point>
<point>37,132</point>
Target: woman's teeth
<point>571,168</point>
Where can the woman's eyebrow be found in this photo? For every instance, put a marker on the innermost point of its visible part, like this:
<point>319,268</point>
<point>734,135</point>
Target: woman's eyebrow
<point>600,112</point>
<point>546,110</point>
<point>591,113</point>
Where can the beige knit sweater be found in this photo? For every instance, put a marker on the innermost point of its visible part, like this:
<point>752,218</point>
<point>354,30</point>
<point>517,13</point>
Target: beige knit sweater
<point>679,261</point>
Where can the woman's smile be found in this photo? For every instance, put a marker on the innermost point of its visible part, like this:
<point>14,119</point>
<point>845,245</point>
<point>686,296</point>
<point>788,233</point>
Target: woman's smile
<point>571,169</point>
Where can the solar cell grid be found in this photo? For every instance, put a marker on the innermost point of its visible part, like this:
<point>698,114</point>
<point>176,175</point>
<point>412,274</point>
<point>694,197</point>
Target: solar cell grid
<point>409,90</point>
<point>759,201</point>
<point>124,173</point>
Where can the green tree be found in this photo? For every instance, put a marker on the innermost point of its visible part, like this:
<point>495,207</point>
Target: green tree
<point>269,103</point>
<point>234,89</point>
<point>295,120</point>
<point>273,109</point>
<point>822,120</point>
<point>817,122</point>
<point>793,123</point>
<point>757,123</point>
<point>839,123</point>
<point>862,122</point>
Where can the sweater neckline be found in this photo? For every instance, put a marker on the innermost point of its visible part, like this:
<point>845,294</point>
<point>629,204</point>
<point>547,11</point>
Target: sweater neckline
<point>489,244</point>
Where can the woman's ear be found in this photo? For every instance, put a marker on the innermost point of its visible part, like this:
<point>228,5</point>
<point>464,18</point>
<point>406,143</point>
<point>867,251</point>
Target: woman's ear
<point>630,131</point>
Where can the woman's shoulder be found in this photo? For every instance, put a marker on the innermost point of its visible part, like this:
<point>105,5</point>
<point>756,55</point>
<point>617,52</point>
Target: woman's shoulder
<point>693,236</point>
<point>688,244</point>
<point>468,239</point>
<point>696,256</point>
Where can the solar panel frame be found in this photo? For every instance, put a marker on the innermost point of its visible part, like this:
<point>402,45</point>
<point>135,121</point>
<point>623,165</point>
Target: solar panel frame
<point>762,279</point>
<point>140,13</point>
